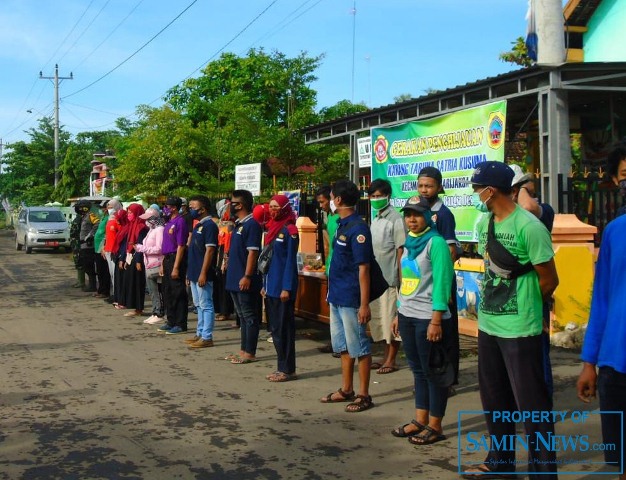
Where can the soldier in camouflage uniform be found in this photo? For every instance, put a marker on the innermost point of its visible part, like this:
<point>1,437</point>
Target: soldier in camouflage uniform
<point>75,245</point>
<point>87,253</point>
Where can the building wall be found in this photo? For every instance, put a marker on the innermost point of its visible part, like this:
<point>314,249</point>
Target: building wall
<point>605,41</point>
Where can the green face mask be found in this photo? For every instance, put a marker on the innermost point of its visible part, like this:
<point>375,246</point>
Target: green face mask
<point>379,203</point>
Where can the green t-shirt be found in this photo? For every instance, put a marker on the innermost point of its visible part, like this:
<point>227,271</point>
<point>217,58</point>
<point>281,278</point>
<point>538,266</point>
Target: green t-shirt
<point>512,308</point>
<point>331,228</point>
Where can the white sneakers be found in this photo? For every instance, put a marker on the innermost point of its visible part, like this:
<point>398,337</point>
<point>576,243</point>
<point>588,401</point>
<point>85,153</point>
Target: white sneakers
<point>153,320</point>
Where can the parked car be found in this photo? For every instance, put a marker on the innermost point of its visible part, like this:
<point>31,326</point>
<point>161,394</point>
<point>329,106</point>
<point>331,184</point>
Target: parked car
<point>41,227</point>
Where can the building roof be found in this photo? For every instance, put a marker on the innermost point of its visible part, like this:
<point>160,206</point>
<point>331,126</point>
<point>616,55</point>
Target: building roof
<point>578,12</point>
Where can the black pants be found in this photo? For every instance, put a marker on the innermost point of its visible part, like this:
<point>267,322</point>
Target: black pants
<point>175,292</point>
<point>104,278</point>
<point>88,262</point>
<point>511,378</point>
<point>282,323</point>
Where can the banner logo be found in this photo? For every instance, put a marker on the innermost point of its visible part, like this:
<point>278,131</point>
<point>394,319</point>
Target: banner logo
<point>496,130</point>
<point>380,149</point>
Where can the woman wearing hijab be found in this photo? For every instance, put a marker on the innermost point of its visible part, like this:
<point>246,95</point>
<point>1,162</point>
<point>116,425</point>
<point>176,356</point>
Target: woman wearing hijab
<point>153,257</point>
<point>224,307</point>
<point>118,255</point>
<point>423,317</point>
<point>133,262</point>
<point>280,285</point>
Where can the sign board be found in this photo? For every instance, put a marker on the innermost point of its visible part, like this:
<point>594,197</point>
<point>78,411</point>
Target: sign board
<point>365,151</point>
<point>453,143</point>
<point>248,177</point>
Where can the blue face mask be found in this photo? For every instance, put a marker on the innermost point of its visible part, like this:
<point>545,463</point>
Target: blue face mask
<point>478,203</point>
<point>194,212</point>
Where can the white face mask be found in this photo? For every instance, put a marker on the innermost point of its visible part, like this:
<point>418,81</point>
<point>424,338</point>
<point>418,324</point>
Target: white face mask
<point>333,208</point>
<point>111,211</point>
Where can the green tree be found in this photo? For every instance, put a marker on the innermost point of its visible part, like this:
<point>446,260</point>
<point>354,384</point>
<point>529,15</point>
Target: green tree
<point>164,154</point>
<point>518,55</point>
<point>403,97</point>
<point>342,108</point>
<point>29,166</point>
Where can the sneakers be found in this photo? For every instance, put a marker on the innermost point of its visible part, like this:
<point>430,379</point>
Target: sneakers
<point>164,328</point>
<point>193,339</point>
<point>174,330</point>
<point>153,320</point>
<point>202,344</point>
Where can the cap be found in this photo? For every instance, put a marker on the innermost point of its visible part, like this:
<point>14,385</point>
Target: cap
<point>174,202</point>
<point>416,204</point>
<point>104,204</point>
<point>492,174</point>
<point>154,206</point>
<point>183,201</point>
<point>432,172</point>
<point>149,213</point>
<point>519,177</point>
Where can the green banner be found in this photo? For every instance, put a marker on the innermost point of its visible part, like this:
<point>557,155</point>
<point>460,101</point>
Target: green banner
<point>453,143</point>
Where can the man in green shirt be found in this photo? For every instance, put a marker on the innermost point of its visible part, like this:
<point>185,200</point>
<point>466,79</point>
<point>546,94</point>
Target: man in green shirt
<point>519,274</point>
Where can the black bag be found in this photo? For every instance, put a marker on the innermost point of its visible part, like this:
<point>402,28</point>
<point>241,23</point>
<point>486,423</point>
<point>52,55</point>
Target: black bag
<point>378,284</point>
<point>265,258</point>
<point>502,258</point>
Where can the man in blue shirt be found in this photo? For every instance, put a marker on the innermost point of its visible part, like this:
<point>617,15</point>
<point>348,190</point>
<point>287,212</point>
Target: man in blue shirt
<point>201,270</point>
<point>605,339</point>
<point>242,278</point>
<point>348,296</point>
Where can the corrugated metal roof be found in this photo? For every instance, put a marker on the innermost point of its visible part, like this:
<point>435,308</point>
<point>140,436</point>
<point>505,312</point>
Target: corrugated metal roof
<point>578,12</point>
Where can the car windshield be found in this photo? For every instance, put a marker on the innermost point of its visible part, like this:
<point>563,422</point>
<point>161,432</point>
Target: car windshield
<point>46,216</point>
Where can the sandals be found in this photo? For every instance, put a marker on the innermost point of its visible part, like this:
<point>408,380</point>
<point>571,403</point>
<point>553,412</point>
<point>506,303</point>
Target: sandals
<point>428,436</point>
<point>362,403</point>
<point>483,471</point>
<point>402,433</point>
<point>376,366</point>
<point>281,377</point>
<point>345,397</point>
<point>385,369</point>
<point>242,360</point>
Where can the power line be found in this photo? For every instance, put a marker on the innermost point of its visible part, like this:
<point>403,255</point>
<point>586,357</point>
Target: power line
<point>84,30</point>
<point>68,35</point>
<point>284,22</point>
<point>110,34</point>
<point>134,53</point>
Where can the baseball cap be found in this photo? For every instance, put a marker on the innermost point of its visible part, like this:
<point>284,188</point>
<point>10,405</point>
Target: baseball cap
<point>520,176</point>
<point>432,172</point>
<point>416,204</point>
<point>492,174</point>
<point>174,201</point>
<point>149,213</point>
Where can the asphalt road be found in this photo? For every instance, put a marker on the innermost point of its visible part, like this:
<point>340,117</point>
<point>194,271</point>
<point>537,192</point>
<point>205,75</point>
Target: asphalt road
<point>86,393</point>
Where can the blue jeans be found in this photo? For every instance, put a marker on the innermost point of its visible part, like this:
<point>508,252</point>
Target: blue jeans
<point>247,308</point>
<point>203,300</point>
<point>346,333</point>
<point>416,347</point>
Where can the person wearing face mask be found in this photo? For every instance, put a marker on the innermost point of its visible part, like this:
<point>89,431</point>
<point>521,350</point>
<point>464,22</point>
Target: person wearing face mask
<point>523,193</point>
<point>201,257</point>
<point>88,228</point>
<point>174,268</point>
<point>280,286</point>
<point>131,261</point>
<point>429,186</point>
<point>151,247</point>
<point>519,275</point>
<point>388,236</point>
<point>242,278</point>
<point>102,268</point>
<point>423,319</point>
<point>112,228</point>
<point>616,167</point>
<point>327,207</point>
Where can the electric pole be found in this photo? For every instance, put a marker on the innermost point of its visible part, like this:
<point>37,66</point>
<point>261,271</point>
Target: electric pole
<point>56,79</point>
<point>1,145</point>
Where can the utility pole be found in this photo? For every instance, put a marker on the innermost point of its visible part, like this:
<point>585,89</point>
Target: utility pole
<point>353,12</point>
<point>56,79</point>
<point>1,145</point>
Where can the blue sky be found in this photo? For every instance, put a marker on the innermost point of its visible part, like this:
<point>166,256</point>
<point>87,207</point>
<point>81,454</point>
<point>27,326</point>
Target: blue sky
<point>401,46</point>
